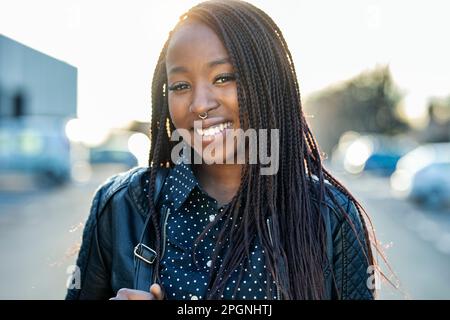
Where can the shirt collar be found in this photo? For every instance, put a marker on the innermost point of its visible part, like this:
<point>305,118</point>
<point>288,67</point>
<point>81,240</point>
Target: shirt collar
<point>181,182</point>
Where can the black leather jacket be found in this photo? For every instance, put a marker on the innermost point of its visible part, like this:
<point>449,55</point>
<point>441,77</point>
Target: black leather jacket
<point>107,258</point>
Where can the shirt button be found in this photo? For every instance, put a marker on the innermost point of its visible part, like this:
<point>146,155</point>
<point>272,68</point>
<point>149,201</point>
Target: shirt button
<point>208,264</point>
<point>194,298</point>
<point>212,217</point>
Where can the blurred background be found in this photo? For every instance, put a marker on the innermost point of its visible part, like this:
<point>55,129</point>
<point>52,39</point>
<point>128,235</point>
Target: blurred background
<point>75,81</point>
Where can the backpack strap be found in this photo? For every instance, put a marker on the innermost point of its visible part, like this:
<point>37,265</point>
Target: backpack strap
<point>144,255</point>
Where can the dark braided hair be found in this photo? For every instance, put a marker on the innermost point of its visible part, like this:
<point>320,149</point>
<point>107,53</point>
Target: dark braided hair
<point>269,98</point>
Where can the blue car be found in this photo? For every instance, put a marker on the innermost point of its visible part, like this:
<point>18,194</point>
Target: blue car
<point>374,153</point>
<point>99,155</point>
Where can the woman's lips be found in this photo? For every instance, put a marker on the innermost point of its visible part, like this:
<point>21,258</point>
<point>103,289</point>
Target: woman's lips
<point>214,129</point>
<point>211,133</point>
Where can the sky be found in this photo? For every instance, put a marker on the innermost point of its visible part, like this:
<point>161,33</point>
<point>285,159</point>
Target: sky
<point>115,45</point>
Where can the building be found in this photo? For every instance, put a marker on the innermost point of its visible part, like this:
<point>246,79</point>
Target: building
<point>38,95</point>
<point>33,83</point>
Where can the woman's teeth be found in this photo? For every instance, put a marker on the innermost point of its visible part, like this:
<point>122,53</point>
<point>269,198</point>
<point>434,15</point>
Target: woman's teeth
<point>213,130</point>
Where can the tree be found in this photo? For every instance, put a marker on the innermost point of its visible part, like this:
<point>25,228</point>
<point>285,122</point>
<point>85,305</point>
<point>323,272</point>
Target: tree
<point>366,103</point>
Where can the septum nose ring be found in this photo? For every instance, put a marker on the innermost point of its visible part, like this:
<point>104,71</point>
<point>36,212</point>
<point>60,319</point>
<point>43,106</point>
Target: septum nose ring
<point>203,115</point>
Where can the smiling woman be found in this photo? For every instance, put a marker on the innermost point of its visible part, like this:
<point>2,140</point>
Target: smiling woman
<point>202,83</point>
<point>225,231</point>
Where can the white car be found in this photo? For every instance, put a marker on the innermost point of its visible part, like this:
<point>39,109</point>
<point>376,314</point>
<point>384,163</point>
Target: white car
<point>431,186</point>
<point>423,174</point>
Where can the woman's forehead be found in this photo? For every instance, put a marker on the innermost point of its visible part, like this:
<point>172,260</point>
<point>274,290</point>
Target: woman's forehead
<point>193,40</point>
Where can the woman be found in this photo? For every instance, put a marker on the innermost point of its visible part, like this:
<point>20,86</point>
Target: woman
<point>215,230</point>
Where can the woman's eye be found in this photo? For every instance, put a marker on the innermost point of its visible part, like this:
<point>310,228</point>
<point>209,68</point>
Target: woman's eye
<point>179,87</point>
<point>225,78</point>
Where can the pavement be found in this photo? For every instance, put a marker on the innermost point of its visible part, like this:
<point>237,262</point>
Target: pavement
<point>415,241</point>
<point>40,233</point>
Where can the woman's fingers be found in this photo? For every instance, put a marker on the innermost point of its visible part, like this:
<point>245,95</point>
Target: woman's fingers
<point>156,291</point>
<point>130,294</point>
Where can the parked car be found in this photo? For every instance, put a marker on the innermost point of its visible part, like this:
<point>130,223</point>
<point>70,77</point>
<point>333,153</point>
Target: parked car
<point>103,155</point>
<point>431,186</point>
<point>373,153</point>
<point>423,174</point>
<point>114,150</point>
<point>35,146</point>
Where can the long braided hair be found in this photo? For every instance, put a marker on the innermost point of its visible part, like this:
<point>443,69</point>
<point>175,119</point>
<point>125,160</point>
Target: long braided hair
<point>269,98</point>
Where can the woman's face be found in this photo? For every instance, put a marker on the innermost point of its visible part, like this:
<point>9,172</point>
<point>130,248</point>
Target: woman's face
<point>201,79</point>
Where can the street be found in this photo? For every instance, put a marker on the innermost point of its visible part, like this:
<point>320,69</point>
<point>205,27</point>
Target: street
<point>417,242</point>
<point>40,232</point>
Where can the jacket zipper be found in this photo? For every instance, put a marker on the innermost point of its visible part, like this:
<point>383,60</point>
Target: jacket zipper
<point>271,241</point>
<point>165,218</point>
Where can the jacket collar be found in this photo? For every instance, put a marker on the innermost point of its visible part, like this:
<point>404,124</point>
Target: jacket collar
<point>177,186</point>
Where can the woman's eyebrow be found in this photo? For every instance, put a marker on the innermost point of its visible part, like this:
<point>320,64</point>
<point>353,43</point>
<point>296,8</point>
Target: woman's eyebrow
<point>218,62</point>
<point>178,69</point>
<point>211,64</point>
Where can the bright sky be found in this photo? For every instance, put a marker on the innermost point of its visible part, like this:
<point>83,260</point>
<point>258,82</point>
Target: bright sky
<point>115,44</point>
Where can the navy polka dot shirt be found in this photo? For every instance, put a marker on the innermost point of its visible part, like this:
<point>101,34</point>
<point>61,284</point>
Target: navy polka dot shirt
<point>191,210</point>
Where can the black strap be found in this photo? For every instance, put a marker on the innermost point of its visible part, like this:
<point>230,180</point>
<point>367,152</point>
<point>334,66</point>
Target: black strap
<point>144,255</point>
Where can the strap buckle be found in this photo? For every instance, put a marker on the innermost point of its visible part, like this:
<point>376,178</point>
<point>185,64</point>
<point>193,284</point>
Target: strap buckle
<point>145,253</point>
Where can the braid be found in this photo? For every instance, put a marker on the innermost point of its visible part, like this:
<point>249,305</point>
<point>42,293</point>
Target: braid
<point>158,153</point>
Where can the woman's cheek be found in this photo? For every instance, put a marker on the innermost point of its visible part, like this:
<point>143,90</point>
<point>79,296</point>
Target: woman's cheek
<point>177,114</point>
<point>231,101</point>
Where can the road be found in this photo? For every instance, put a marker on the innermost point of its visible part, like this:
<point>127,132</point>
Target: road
<point>40,231</point>
<point>416,242</point>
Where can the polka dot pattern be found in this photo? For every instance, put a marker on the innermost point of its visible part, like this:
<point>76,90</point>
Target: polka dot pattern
<point>191,211</point>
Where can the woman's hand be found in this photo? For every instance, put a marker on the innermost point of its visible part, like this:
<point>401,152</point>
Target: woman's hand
<point>155,293</point>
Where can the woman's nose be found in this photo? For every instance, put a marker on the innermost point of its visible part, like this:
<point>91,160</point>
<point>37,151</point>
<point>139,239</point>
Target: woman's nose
<point>203,100</point>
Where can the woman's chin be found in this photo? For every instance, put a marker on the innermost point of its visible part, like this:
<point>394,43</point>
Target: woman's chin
<point>213,149</point>
<point>217,156</point>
